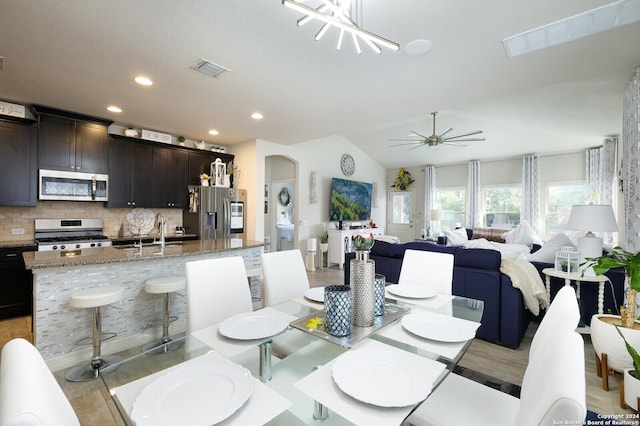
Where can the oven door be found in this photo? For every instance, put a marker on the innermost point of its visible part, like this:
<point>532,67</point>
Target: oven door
<point>72,186</point>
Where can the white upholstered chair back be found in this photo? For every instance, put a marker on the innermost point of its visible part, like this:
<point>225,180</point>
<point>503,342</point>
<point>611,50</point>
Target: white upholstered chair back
<point>562,314</point>
<point>431,269</point>
<point>216,289</point>
<point>285,276</point>
<point>29,394</point>
<point>553,386</point>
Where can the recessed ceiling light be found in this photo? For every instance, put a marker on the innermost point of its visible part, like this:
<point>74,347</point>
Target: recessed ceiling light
<point>257,116</point>
<point>144,81</point>
<point>214,132</point>
<point>417,47</point>
<point>114,108</point>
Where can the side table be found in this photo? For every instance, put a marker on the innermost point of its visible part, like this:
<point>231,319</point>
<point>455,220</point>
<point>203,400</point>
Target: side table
<point>600,279</point>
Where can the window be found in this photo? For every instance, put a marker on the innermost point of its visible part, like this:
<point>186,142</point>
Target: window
<point>401,208</point>
<point>452,202</point>
<point>502,205</point>
<point>560,197</point>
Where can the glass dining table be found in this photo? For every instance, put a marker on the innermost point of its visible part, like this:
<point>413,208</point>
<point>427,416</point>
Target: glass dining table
<point>301,384</point>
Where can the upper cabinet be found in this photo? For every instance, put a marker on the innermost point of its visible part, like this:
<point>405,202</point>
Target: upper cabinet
<point>129,173</point>
<point>18,164</point>
<point>170,177</point>
<point>71,142</point>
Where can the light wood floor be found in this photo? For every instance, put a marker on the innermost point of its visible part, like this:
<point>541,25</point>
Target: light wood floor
<point>94,406</point>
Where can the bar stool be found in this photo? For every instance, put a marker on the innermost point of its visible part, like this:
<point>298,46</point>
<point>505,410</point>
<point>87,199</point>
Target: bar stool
<point>164,286</point>
<point>94,298</point>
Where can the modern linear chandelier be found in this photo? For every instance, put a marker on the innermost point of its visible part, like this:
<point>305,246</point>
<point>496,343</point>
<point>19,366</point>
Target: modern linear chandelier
<point>337,13</point>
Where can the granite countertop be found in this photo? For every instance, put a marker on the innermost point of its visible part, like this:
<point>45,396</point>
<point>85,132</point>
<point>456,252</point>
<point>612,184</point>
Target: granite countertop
<point>126,253</point>
<point>16,244</point>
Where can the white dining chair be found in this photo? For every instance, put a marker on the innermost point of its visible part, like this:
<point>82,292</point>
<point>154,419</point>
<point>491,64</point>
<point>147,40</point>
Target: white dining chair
<point>553,392</point>
<point>428,268</point>
<point>285,276</point>
<point>562,314</point>
<point>216,289</point>
<point>29,393</point>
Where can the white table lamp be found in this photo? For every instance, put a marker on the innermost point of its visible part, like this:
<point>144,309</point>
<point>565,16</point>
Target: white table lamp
<point>591,218</point>
<point>436,216</point>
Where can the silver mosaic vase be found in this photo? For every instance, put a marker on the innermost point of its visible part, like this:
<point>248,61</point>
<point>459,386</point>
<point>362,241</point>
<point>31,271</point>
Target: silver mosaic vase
<point>362,282</point>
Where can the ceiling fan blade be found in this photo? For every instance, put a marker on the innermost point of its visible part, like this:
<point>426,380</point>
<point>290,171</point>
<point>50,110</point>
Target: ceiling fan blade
<point>475,132</point>
<point>445,131</point>
<point>461,145</point>
<point>466,140</point>
<point>419,134</point>
<point>416,143</point>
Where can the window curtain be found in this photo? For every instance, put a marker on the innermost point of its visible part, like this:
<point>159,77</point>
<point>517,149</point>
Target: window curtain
<point>600,167</point>
<point>429,193</point>
<point>474,203</point>
<point>530,208</point>
<point>630,169</point>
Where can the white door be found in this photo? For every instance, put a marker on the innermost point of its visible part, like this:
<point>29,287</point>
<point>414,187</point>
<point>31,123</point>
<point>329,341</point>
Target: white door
<point>401,215</point>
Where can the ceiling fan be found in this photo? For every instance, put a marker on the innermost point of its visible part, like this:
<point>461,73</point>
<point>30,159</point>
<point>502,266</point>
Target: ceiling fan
<point>438,139</point>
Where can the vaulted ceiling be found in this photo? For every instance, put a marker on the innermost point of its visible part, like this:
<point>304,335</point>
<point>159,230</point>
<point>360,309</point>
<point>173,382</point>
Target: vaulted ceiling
<point>83,56</point>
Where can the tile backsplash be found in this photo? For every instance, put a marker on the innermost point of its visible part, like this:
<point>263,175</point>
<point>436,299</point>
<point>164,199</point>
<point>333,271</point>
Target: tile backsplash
<point>15,219</point>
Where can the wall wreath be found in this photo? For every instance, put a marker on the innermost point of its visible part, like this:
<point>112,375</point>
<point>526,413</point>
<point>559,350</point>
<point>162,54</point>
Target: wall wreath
<point>284,197</point>
<point>403,180</point>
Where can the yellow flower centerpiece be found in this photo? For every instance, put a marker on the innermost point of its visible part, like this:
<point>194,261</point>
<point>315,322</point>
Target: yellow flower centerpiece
<point>314,323</point>
<point>403,180</point>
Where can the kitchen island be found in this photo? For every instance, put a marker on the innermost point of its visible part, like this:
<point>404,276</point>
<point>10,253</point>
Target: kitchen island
<point>62,334</point>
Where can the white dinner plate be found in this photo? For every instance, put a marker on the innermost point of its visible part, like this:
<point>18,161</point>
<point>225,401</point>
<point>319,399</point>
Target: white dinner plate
<point>383,377</point>
<point>203,393</point>
<point>439,327</point>
<point>252,325</point>
<point>315,294</point>
<point>411,291</point>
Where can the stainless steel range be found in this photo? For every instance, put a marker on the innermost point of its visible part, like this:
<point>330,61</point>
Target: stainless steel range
<point>70,234</point>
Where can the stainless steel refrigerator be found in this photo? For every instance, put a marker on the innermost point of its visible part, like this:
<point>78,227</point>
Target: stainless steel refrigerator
<point>215,213</point>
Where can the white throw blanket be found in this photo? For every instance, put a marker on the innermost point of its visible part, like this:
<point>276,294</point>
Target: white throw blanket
<point>525,277</point>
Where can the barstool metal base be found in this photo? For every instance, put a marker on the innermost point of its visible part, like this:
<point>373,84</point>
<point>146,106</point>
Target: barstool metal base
<point>160,347</point>
<point>86,371</point>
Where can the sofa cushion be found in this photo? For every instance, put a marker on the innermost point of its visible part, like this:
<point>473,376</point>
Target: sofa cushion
<point>478,258</point>
<point>490,234</point>
<point>522,234</point>
<point>547,253</point>
<point>382,248</point>
<point>457,237</point>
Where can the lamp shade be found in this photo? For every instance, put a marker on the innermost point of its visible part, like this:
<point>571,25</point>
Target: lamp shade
<point>592,217</point>
<point>436,214</point>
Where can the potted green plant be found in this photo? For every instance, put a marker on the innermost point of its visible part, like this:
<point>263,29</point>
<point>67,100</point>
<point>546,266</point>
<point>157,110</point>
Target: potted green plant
<point>630,262</point>
<point>181,140</point>
<point>631,376</point>
<point>131,132</point>
<point>603,334</point>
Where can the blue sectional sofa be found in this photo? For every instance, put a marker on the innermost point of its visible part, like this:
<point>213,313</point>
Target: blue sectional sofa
<point>476,274</point>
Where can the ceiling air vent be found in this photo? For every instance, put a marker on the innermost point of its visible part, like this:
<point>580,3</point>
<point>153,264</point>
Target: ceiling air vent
<point>209,68</point>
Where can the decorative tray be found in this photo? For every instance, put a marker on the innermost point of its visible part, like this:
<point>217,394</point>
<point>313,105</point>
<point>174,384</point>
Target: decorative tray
<point>391,314</point>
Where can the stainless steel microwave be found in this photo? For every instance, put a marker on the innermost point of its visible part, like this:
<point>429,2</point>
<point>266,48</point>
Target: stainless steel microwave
<point>72,186</point>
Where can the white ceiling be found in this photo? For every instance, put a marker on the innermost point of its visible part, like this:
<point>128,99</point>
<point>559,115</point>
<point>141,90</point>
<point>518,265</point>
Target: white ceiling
<point>83,55</point>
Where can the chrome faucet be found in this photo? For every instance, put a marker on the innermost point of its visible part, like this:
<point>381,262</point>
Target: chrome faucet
<point>161,224</point>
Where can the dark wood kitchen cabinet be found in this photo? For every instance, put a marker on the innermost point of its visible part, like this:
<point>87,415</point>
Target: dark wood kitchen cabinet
<point>200,162</point>
<point>129,173</point>
<point>16,283</point>
<point>170,177</point>
<point>72,142</point>
<point>18,163</point>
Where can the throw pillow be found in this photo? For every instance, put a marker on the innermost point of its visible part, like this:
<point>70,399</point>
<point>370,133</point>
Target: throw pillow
<point>457,237</point>
<point>547,254</point>
<point>522,234</point>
